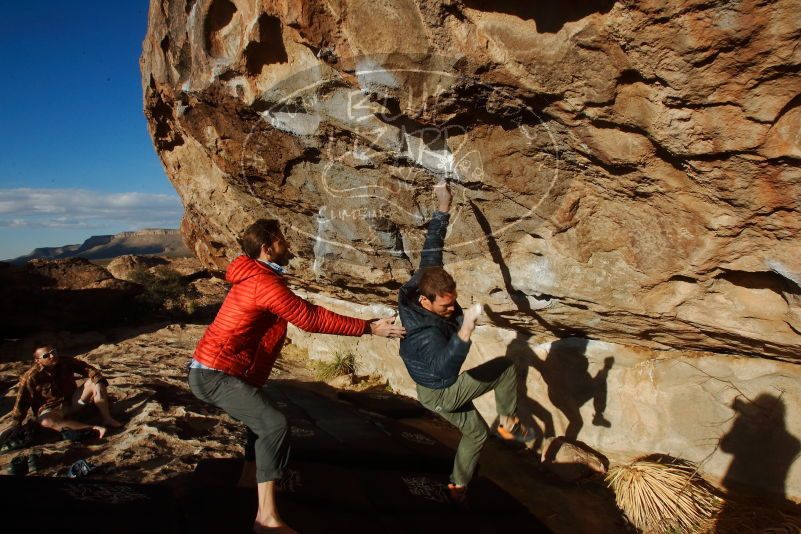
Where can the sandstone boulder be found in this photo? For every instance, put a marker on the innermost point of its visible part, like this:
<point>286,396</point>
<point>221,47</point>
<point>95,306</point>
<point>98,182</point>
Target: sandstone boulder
<point>628,165</point>
<point>123,267</point>
<point>74,274</point>
<point>626,178</point>
<point>571,461</point>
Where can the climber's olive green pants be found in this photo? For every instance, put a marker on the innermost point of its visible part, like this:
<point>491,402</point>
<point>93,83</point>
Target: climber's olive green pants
<point>455,403</point>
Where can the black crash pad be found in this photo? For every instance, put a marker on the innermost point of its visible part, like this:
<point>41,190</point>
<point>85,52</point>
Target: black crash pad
<point>420,492</point>
<point>66,505</point>
<point>384,403</point>
<point>311,498</point>
<point>293,412</point>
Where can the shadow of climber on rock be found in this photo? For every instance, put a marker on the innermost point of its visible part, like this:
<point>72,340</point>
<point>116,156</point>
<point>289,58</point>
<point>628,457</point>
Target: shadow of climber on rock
<point>565,370</point>
<point>762,448</point>
<point>529,410</point>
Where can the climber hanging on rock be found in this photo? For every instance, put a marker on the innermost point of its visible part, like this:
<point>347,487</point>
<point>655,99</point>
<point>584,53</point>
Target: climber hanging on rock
<point>435,347</point>
<point>236,354</point>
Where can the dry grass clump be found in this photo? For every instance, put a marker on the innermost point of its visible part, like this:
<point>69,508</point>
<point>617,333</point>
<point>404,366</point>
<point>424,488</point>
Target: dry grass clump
<point>344,363</point>
<point>664,497</point>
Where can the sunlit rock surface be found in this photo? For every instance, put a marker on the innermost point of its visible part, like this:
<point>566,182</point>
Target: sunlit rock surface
<point>626,172</point>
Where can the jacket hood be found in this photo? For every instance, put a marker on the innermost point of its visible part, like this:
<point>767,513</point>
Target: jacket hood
<point>243,268</point>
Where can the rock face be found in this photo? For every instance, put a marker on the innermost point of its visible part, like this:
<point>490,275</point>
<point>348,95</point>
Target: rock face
<point>631,168</point>
<point>624,171</point>
<point>736,416</point>
<point>123,267</point>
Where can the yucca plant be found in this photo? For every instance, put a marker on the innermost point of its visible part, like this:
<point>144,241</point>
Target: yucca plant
<point>664,497</point>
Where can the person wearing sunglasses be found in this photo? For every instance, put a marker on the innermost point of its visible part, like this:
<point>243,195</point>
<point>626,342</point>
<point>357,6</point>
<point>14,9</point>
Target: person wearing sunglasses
<point>49,389</point>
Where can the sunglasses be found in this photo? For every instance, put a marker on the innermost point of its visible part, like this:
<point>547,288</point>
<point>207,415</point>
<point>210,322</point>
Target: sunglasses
<point>47,355</point>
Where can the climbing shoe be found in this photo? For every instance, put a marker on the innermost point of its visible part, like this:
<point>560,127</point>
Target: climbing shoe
<point>458,494</point>
<point>516,432</point>
<point>79,469</point>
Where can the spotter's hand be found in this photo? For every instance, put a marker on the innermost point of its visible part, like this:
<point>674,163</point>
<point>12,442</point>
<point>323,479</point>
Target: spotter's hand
<point>386,328</point>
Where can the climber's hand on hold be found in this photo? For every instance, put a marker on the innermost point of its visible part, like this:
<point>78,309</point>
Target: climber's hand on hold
<point>469,319</point>
<point>444,196</point>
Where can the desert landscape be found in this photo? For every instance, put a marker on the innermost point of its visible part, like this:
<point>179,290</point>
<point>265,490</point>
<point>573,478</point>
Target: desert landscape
<point>625,216</point>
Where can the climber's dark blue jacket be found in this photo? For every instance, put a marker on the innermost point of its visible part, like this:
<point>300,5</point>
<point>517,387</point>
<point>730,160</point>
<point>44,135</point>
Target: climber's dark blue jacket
<point>431,350</point>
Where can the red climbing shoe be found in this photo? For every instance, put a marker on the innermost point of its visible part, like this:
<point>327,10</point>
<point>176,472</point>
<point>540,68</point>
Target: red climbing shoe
<point>458,493</point>
<point>515,432</point>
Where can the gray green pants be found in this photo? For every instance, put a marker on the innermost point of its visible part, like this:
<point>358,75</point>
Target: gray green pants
<point>268,430</point>
<point>455,403</point>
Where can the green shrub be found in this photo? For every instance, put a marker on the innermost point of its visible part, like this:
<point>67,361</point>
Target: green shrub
<point>161,284</point>
<point>344,363</point>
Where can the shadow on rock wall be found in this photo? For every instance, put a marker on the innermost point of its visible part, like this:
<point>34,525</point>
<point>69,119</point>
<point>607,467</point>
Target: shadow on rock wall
<point>565,371</point>
<point>762,453</point>
<point>762,448</point>
<point>565,368</point>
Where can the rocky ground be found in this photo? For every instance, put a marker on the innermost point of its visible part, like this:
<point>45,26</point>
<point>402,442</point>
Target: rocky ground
<point>167,430</point>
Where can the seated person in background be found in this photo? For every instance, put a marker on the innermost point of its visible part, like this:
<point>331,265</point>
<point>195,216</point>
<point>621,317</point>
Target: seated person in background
<point>49,389</point>
<point>435,347</point>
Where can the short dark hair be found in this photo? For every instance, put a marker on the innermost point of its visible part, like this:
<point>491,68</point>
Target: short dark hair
<point>261,232</point>
<point>434,282</point>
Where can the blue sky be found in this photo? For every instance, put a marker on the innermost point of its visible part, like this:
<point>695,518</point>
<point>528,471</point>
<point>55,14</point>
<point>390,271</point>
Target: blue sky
<point>75,156</point>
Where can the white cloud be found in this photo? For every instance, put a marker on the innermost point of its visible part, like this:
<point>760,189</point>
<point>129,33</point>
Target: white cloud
<point>83,208</point>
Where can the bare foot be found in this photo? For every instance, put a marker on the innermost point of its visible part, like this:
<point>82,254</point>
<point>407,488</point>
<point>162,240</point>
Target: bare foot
<point>277,528</point>
<point>101,430</point>
<point>113,423</point>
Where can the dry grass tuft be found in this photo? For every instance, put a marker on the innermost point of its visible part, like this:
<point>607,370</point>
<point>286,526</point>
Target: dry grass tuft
<point>344,363</point>
<point>664,497</point>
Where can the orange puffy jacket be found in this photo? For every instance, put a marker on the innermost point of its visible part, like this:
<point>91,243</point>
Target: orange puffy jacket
<point>246,337</point>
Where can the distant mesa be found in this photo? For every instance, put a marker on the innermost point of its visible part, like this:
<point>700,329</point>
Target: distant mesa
<point>157,241</point>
